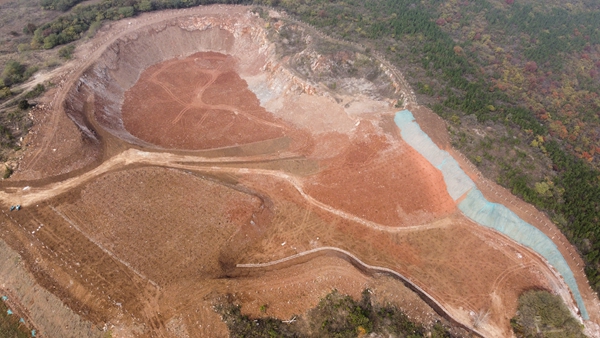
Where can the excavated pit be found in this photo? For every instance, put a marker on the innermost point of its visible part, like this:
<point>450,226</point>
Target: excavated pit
<point>199,102</point>
<point>181,84</point>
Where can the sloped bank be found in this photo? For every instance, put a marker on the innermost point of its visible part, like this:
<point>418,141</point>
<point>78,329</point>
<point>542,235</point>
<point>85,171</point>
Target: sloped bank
<point>482,211</point>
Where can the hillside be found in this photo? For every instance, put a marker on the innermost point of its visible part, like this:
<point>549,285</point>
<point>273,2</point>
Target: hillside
<point>300,129</point>
<point>518,82</point>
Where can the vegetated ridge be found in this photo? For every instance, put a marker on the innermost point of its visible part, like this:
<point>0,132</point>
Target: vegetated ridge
<point>336,315</point>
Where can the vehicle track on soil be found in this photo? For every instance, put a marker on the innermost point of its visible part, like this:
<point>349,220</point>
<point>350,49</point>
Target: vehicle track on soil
<point>109,253</point>
<point>129,157</point>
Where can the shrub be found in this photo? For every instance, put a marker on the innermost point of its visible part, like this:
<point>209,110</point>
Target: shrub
<point>126,12</point>
<point>13,73</point>
<point>7,172</point>
<point>336,315</point>
<point>66,52</point>
<point>542,314</point>
<point>5,93</point>
<point>24,105</point>
<point>36,91</point>
<point>29,29</point>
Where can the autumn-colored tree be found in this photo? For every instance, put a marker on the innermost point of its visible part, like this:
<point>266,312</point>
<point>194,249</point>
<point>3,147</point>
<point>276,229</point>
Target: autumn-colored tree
<point>531,66</point>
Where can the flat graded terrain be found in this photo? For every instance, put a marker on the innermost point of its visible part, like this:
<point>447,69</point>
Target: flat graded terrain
<point>183,162</point>
<point>199,102</point>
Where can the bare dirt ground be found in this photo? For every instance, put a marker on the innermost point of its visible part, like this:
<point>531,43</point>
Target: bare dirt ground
<point>373,165</point>
<point>197,103</point>
<point>153,176</point>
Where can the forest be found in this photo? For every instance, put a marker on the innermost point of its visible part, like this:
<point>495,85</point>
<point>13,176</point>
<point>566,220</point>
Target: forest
<point>530,68</point>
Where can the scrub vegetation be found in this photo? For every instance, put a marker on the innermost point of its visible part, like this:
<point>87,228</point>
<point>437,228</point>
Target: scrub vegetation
<point>336,315</point>
<point>542,314</point>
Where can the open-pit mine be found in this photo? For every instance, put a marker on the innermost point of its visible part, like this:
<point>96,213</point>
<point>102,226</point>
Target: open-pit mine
<point>186,155</point>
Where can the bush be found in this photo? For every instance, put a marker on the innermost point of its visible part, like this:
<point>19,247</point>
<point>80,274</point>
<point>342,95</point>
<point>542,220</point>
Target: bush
<point>336,315</point>
<point>50,41</point>
<point>144,6</point>
<point>29,71</point>
<point>29,28</point>
<point>13,73</point>
<point>94,27</point>
<point>59,5</point>
<point>7,172</point>
<point>36,91</point>
<point>542,314</point>
<point>126,12</point>
<point>24,105</point>
<point>5,93</point>
<point>66,52</point>
<point>23,47</point>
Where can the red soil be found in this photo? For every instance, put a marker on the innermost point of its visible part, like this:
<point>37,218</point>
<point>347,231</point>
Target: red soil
<point>383,181</point>
<point>199,102</point>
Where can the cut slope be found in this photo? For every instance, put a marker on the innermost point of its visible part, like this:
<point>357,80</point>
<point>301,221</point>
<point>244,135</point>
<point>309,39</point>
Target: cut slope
<point>382,180</point>
<point>185,90</point>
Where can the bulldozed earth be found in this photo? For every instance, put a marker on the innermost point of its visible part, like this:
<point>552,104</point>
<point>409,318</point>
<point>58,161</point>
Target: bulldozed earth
<point>225,151</point>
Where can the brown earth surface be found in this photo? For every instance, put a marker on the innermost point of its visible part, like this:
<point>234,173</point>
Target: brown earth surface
<point>174,165</point>
<point>199,102</point>
<point>374,164</point>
